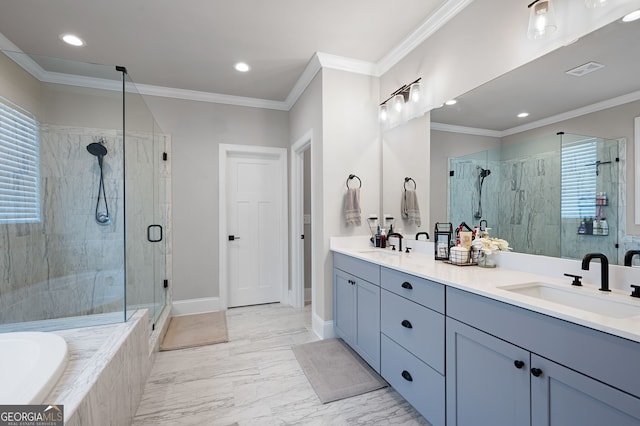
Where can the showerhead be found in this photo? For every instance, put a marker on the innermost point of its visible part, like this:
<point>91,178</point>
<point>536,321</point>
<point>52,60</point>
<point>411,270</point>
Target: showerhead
<point>97,149</point>
<point>484,172</point>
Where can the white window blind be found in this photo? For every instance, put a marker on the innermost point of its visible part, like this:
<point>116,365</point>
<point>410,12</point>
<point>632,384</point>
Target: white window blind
<point>19,165</point>
<point>579,179</point>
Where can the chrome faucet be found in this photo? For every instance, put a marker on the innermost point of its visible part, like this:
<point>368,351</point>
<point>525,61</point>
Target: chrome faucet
<point>604,268</point>
<point>628,256</point>
<point>398,236</point>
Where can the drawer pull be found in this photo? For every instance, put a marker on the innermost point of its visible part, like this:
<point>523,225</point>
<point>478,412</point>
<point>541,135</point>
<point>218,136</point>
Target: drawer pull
<point>519,364</point>
<point>536,372</point>
<point>407,285</point>
<point>406,324</point>
<point>407,376</point>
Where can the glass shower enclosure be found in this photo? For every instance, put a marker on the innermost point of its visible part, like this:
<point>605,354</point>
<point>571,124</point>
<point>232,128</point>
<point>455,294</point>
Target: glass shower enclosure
<point>554,196</point>
<point>83,204</point>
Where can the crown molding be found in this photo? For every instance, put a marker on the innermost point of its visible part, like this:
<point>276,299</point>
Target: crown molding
<point>578,112</point>
<point>433,23</point>
<point>216,98</point>
<point>310,71</point>
<point>442,127</point>
<point>598,106</point>
<point>342,63</point>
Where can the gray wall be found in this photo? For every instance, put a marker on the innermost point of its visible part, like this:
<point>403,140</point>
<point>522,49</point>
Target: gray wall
<point>197,129</point>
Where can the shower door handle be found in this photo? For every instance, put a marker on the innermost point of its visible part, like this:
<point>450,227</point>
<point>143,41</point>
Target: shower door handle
<point>149,238</point>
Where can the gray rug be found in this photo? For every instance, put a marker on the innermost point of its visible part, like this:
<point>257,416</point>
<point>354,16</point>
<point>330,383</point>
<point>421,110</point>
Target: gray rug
<point>335,371</point>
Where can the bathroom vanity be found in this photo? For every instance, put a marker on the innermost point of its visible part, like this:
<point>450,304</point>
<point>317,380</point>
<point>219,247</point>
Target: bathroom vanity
<point>465,351</point>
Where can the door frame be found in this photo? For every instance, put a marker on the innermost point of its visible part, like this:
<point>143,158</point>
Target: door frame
<point>280,154</point>
<point>297,221</point>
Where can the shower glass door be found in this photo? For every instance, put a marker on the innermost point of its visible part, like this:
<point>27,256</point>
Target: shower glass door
<point>145,205</point>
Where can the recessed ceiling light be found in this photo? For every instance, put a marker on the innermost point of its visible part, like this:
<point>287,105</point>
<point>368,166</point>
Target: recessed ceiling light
<point>451,102</point>
<point>523,115</point>
<point>242,67</point>
<point>633,16</point>
<point>73,40</point>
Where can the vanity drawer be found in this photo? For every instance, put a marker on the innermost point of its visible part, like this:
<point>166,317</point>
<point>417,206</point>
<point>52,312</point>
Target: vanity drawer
<point>420,290</point>
<point>416,328</point>
<point>419,384</point>
<point>359,268</point>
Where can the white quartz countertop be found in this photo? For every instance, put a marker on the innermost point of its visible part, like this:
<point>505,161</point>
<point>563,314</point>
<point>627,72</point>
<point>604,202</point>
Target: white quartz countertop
<point>487,282</point>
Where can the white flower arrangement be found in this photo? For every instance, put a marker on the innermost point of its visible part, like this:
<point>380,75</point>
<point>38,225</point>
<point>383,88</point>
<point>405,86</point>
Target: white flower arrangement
<point>489,245</point>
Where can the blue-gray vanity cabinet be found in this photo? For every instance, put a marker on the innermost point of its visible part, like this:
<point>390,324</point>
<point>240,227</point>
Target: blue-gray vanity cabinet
<point>561,396</point>
<point>487,379</point>
<point>576,375</point>
<point>413,338</point>
<point>356,306</point>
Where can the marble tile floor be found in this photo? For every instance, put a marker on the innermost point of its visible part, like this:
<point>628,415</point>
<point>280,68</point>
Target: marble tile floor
<point>254,379</point>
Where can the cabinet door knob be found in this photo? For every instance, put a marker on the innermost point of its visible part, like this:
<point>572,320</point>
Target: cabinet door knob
<point>519,364</point>
<point>407,285</point>
<point>406,324</point>
<point>407,376</point>
<point>536,372</point>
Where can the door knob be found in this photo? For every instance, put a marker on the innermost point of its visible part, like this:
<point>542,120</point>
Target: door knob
<point>519,364</point>
<point>233,238</point>
<point>407,376</point>
<point>407,285</point>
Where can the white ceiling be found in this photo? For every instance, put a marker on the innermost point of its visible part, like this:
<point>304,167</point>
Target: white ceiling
<point>193,44</point>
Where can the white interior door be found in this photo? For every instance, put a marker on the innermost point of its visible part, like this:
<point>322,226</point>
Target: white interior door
<point>254,235</point>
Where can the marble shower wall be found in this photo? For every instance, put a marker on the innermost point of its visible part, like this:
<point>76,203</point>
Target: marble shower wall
<point>67,265</point>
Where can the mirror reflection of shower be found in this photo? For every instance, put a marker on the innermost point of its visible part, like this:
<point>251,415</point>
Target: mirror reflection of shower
<point>99,150</point>
<point>481,175</point>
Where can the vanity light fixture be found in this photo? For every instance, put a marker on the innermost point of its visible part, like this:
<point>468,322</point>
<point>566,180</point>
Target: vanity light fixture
<point>523,115</point>
<point>72,40</point>
<point>633,16</point>
<point>242,67</point>
<point>394,106</point>
<point>542,19</point>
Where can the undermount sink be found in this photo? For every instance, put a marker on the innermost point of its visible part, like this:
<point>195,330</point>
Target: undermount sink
<point>608,304</point>
<point>380,252</point>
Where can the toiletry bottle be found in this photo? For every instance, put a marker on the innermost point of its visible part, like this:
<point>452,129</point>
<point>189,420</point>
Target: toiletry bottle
<point>383,239</point>
<point>378,237</point>
<point>604,227</point>
<point>582,229</point>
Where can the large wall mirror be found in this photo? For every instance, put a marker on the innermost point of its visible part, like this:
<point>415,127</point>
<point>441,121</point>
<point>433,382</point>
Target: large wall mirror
<point>589,90</point>
<point>597,102</point>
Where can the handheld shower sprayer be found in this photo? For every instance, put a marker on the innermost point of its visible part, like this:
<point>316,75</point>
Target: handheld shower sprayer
<point>99,150</point>
<point>483,174</point>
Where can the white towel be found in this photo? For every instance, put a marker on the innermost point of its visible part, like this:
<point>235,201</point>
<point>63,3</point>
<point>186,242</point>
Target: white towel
<point>352,212</point>
<point>409,207</point>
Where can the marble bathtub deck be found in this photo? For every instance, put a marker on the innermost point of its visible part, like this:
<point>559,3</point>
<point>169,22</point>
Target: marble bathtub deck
<point>254,379</point>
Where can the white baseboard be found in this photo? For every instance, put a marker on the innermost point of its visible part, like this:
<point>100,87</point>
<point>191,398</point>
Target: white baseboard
<point>307,294</point>
<point>195,306</point>
<point>322,329</point>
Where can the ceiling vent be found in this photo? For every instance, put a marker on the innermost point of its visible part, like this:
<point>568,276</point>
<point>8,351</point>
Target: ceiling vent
<point>585,69</point>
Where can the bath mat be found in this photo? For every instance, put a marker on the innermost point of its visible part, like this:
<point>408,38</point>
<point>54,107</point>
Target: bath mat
<point>335,371</point>
<point>188,331</point>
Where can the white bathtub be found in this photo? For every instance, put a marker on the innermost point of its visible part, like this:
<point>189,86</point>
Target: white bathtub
<point>30,365</point>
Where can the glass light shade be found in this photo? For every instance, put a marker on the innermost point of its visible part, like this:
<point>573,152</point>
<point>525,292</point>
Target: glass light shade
<point>591,4</point>
<point>542,19</point>
<point>415,93</point>
<point>397,103</point>
<point>383,113</point>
